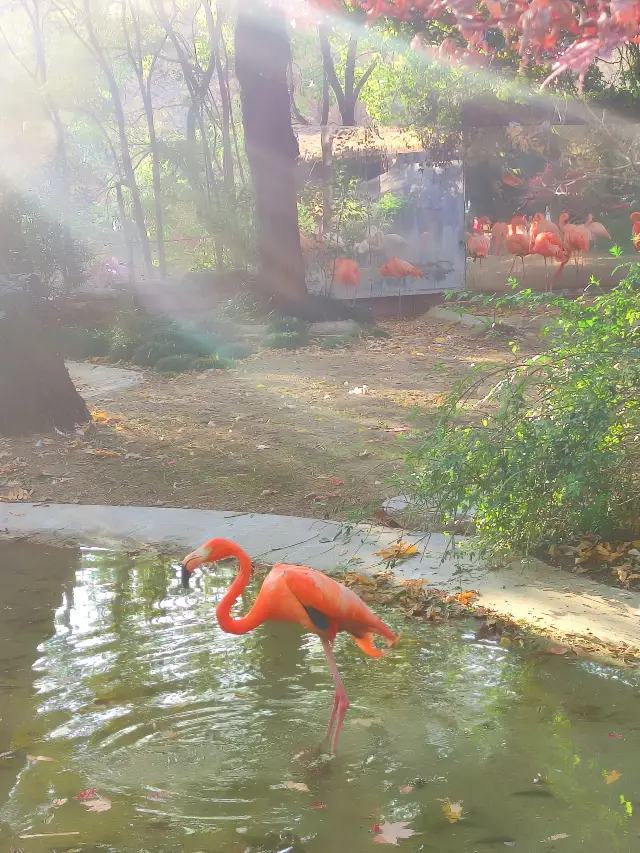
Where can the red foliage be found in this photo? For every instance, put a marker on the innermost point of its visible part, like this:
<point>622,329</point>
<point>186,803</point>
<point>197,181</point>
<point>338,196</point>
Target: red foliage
<point>570,35</point>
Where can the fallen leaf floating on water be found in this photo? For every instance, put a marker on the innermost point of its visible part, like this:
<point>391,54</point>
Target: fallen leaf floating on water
<point>58,803</point>
<point>554,650</point>
<point>406,789</point>
<point>452,811</point>
<point>318,805</point>
<point>97,804</point>
<point>40,758</point>
<point>398,551</point>
<point>615,736</point>
<point>390,833</point>
<point>296,786</point>
<point>611,777</point>
<point>555,837</point>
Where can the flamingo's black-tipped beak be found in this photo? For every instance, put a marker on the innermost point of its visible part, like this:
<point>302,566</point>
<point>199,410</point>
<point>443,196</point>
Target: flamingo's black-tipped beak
<point>186,574</point>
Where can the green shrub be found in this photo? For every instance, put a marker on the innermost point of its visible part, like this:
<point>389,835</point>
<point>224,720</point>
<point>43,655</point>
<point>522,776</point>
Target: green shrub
<point>175,363</point>
<point>150,352</point>
<point>286,324</point>
<point>212,362</point>
<point>236,349</point>
<point>380,332</point>
<point>286,340</point>
<point>80,342</point>
<point>551,452</point>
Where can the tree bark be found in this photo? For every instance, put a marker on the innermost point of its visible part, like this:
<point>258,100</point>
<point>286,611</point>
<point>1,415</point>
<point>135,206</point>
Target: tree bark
<point>136,59</point>
<point>346,98</point>
<point>128,172</point>
<point>262,60</point>
<point>36,391</point>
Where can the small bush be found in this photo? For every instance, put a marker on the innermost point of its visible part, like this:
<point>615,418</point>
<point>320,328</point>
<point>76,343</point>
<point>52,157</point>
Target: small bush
<point>212,362</point>
<point>80,342</point>
<point>286,324</point>
<point>149,353</point>
<point>214,323</point>
<point>236,349</point>
<point>286,340</point>
<point>379,332</point>
<point>551,452</point>
<point>175,363</point>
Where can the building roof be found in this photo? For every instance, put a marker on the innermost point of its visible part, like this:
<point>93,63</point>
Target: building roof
<point>349,141</point>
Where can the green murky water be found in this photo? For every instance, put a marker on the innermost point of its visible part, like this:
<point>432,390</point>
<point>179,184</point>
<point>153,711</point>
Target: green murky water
<point>110,669</point>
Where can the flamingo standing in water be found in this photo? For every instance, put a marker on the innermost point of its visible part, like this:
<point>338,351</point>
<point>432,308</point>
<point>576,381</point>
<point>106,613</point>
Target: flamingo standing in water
<point>296,594</point>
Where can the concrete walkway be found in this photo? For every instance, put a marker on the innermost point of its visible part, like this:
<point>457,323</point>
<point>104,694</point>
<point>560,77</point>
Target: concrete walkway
<point>548,599</point>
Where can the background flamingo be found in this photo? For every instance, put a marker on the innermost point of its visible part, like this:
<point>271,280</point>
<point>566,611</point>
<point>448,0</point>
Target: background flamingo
<point>549,245</point>
<point>540,224</point>
<point>635,230</point>
<point>399,269</point>
<point>517,241</point>
<point>499,232</point>
<point>296,594</point>
<point>347,272</point>
<point>596,229</point>
<point>478,243</point>
<point>576,237</point>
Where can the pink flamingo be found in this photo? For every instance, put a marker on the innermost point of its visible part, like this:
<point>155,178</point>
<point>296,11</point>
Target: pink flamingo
<point>296,594</point>
<point>540,224</point>
<point>635,230</point>
<point>518,241</point>
<point>576,237</point>
<point>499,233</point>
<point>549,245</point>
<point>596,229</point>
<point>478,242</point>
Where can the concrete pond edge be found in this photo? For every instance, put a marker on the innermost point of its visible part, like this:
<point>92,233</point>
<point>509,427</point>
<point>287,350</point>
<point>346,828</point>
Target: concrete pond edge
<point>575,611</point>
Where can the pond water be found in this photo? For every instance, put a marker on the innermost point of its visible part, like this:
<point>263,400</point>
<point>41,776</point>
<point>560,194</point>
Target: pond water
<point>122,678</point>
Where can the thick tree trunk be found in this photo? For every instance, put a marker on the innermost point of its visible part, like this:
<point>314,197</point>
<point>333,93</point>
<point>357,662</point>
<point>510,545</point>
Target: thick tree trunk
<point>262,61</point>
<point>36,391</point>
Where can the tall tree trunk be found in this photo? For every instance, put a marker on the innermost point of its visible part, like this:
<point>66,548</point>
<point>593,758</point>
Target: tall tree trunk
<point>36,392</point>
<point>262,59</point>
<point>346,97</point>
<point>137,61</point>
<point>128,172</point>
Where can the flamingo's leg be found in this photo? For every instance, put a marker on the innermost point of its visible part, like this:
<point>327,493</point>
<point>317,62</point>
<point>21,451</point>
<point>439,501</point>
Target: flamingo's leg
<point>332,718</point>
<point>340,700</point>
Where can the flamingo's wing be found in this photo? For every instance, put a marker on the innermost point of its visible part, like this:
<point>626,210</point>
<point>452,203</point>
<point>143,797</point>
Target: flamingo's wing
<point>328,602</point>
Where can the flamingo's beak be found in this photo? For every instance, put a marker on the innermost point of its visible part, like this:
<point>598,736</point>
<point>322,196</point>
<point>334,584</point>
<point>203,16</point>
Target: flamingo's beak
<point>186,574</point>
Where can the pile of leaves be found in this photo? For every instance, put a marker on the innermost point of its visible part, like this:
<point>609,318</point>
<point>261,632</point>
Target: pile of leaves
<point>595,556</point>
<point>415,598</point>
<point>550,453</point>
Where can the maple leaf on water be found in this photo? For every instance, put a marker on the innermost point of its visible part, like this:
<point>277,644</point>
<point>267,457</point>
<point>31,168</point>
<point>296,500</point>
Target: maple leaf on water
<point>97,804</point>
<point>611,777</point>
<point>390,833</point>
<point>452,811</point>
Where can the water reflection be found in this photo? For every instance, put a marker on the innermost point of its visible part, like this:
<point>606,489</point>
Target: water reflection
<point>192,733</point>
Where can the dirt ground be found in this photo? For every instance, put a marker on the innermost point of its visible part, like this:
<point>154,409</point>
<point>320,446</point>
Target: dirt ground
<point>280,433</point>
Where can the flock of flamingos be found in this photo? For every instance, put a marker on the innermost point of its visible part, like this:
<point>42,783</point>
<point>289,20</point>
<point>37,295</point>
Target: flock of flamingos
<point>541,236</point>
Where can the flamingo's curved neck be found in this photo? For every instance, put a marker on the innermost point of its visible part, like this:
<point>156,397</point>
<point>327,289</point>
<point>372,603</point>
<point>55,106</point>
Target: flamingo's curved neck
<point>223,610</point>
